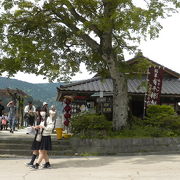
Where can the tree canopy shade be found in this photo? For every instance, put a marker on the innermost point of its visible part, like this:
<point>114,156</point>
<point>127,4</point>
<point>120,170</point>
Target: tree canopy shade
<point>52,38</point>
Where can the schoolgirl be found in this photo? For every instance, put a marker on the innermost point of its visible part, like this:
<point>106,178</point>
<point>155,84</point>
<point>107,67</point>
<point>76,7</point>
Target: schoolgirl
<point>42,140</point>
<point>36,144</point>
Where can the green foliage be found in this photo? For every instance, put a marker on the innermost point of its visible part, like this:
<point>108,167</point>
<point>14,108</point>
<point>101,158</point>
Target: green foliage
<point>52,38</point>
<point>163,116</point>
<point>157,113</point>
<point>90,125</point>
<point>140,128</point>
<point>161,122</point>
<point>95,126</point>
<point>139,67</point>
<point>170,122</point>
<point>136,121</point>
<point>143,131</point>
<point>154,110</point>
<point>166,126</point>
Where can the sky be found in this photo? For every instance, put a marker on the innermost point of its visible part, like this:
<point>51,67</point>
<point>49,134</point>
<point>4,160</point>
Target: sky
<point>164,50</point>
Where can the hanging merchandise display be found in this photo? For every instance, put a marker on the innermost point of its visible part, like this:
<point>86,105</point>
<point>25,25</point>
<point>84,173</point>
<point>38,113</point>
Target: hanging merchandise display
<point>67,110</point>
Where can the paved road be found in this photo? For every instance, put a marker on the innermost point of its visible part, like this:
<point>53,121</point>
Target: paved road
<point>147,167</point>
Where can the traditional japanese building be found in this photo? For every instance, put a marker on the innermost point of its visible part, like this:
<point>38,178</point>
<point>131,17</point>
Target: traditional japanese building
<point>96,93</point>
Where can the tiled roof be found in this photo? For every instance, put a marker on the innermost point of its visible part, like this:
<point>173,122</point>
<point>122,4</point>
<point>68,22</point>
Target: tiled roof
<point>169,86</point>
<point>16,91</point>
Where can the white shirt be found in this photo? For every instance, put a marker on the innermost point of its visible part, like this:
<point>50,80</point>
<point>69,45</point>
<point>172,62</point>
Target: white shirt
<point>27,109</point>
<point>47,129</point>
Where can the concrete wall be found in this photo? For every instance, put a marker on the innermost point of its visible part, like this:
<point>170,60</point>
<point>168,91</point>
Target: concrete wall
<point>125,145</point>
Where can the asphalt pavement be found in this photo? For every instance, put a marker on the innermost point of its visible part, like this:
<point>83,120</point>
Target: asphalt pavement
<point>147,167</point>
<point>134,167</point>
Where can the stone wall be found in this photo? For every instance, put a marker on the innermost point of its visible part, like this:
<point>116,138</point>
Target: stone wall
<point>125,145</point>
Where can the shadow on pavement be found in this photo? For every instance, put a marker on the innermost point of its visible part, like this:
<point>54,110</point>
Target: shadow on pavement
<point>105,160</point>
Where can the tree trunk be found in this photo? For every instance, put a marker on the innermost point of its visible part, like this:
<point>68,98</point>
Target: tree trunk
<point>120,94</point>
<point>120,102</point>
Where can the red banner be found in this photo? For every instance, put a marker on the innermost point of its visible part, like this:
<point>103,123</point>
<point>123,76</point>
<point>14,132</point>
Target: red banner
<point>154,78</point>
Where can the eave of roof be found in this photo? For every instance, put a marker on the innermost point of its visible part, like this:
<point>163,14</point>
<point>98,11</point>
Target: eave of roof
<point>169,86</point>
<point>80,82</point>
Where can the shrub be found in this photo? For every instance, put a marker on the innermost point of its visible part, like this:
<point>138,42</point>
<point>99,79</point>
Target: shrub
<point>164,117</point>
<point>137,121</point>
<point>146,131</point>
<point>154,110</point>
<point>156,114</point>
<point>91,125</point>
<point>170,122</point>
<point>161,121</point>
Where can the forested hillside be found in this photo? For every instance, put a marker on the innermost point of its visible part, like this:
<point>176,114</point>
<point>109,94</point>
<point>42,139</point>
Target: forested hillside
<point>43,92</point>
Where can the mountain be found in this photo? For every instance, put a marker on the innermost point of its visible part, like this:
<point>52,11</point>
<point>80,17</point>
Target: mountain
<point>42,92</point>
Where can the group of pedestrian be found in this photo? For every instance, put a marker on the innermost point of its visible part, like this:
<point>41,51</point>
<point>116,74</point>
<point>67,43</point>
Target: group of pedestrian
<point>8,118</point>
<point>42,121</point>
<point>42,140</point>
<point>32,114</point>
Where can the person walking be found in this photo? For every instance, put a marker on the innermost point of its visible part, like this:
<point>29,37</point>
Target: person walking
<point>40,116</point>
<point>12,116</point>
<point>36,144</point>
<point>43,140</point>
<point>30,112</point>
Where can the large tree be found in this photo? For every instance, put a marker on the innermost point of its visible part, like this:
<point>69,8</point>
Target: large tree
<point>52,38</point>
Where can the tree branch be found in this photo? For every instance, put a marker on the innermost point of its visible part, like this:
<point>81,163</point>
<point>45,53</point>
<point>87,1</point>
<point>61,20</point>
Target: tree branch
<point>68,22</point>
<point>82,19</point>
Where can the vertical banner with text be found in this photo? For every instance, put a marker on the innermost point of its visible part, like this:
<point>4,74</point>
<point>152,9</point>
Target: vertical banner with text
<point>154,79</point>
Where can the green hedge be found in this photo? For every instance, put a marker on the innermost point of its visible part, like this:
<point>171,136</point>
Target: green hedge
<point>91,125</point>
<point>158,114</point>
<point>161,121</point>
<point>143,131</point>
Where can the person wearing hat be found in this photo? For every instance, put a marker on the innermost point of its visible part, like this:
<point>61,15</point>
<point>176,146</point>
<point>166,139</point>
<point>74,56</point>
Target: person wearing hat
<point>30,111</point>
